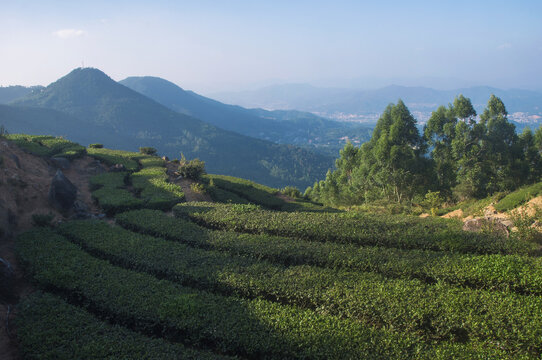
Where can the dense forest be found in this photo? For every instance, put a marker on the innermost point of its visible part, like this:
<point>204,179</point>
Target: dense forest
<point>459,155</point>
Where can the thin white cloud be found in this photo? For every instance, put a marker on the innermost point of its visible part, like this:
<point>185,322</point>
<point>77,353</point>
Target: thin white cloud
<point>69,33</point>
<point>504,46</point>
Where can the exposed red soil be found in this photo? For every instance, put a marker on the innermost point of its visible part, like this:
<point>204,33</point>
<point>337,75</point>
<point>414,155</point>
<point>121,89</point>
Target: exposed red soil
<point>24,187</point>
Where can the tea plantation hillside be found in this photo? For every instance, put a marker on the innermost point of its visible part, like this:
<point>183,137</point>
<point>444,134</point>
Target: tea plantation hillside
<point>256,274</point>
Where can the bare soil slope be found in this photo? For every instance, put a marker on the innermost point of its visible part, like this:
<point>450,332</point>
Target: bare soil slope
<point>24,187</point>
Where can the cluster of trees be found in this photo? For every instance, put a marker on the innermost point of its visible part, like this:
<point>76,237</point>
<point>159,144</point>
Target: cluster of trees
<point>458,154</point>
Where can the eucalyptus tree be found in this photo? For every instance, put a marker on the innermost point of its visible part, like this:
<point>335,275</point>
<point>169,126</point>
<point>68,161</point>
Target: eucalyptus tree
<point>392,163</point>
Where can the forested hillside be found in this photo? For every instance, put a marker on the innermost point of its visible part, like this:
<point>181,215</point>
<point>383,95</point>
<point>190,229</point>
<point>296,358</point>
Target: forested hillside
<point>11,93</point>
<point>280,126</point>
<point>104,111</point>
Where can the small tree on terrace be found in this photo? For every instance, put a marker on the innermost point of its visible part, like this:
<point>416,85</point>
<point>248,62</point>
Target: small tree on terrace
<point>193,169</point>
<point>148,150</point>
<point>3,131</point>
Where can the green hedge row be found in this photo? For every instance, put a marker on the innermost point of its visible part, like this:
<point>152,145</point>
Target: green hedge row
<point>249,190</point>
<point>30,144</point>
<point>437,312</point>
<point>109,179</point>
<point>154,188</point>
<point>50,328</point>
<point>151,161</point>
<point>224,196</point>
<point>249,328</point>
<point>504,272</point>
<point>140,178</point>
<point>396,231</point>
<point>151,184</point>
<point>114,200</point>
<point>48,146</point>
<point>112,157</point>
<point>229,189</point>
<point>131,160</point>
<point>109,192</point>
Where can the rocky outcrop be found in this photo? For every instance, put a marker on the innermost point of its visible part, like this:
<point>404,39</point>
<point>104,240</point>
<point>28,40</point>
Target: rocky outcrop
<point>488,224</point>
<point>454,214</point>
<point>16,161</point>
<point>61,163</point>
<point>62,193</point>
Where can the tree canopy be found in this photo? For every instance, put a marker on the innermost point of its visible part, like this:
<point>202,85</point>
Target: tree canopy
<point>457,155</point>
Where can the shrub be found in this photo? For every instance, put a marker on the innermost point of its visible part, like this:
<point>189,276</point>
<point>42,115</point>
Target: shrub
<point>96,146</point>
<point>148,150</point>
<point>193,169</point>
<point>292,192</point>
<point>433,201</point>
<point>42,219</point>
<point>198,188</point>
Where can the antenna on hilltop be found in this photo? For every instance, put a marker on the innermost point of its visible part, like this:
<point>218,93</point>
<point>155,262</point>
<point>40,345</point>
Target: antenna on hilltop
<point>82,64</point>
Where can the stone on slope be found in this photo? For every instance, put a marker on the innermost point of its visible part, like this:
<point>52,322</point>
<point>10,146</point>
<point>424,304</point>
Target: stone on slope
<point>62,193</point>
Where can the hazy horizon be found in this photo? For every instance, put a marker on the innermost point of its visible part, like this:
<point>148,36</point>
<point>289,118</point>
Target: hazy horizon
<point>209,47</point>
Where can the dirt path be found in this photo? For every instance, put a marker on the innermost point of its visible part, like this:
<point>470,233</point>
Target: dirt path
<point>189,194</point>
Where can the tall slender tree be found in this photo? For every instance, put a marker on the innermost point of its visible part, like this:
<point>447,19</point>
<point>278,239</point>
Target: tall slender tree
<point>447,130</point>
<point>391,163</point>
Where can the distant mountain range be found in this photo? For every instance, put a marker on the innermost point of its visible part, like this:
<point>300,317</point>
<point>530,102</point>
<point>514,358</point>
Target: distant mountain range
<point>279,126</point>
<point>11,93</point>
<point>87,106</point>
<point>335,101</point>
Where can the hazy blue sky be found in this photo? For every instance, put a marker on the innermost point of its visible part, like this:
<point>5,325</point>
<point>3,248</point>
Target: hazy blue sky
<point>231,45</point>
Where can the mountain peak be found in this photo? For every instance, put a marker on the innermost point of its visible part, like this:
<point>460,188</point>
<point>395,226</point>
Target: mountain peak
<point>88,76</point>
<point>118,116</point>
<point>82,87</point>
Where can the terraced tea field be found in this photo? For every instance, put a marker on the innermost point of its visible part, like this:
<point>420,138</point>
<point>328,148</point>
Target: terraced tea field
<point>241,280</point>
